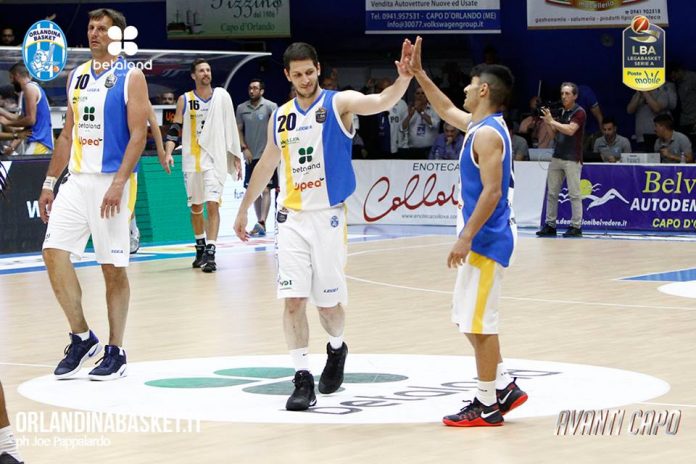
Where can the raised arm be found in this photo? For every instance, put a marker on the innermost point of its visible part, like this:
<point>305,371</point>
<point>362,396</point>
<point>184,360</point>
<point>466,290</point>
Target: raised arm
<point>438,100</point>
<point>350,101</point>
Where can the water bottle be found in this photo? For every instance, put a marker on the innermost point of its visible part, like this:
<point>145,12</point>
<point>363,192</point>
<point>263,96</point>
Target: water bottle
<point>683,158</point>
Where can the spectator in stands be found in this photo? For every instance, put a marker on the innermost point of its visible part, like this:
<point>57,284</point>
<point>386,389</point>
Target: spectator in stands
<point>390,137</point>
<point>447,145</point>
<point>610,145</point>
<point>252,122</point>
<point>647,105</point>
<point>566,162</point>
<point>422,125</point>
<point>673,146</point>
<point>167,98</point>
<point>588,100</point>
<point>533,129</point>
<point>7,37</point>
<point>686,89</point>
<point>520,147</point>
<point>35,113</point>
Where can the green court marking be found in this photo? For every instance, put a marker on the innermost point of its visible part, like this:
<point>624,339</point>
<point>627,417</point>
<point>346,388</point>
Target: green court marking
<point>358,377</point>
<point>196,382</point>
<point>258,372</point>
<point>277,388</point>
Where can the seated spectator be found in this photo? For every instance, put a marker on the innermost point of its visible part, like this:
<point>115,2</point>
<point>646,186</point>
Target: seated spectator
<point>422,125</point>
<point>520,147</point>
<point>610,145</point>
<point>673,146</point>
<point>533,129</point>
<point>447,145</point>
<point>167,98</point>
<point>7,37</point>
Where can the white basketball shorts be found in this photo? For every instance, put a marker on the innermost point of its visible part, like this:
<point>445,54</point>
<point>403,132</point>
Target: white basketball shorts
<point>477,294</point>
<point>76,213</point>
<point>311,252</point>
<point>202,187</point>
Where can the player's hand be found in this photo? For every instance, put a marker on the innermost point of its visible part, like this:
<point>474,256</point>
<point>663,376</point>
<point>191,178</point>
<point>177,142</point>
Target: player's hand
<point>167,162</point>
<point>247,155</point>
<point>402,66</point>
<point>240,224</point>
<point>111,204</point>
<point>45,203</point>
<point>458,253</point>
<point>414,63</point>
<point>237,167</point>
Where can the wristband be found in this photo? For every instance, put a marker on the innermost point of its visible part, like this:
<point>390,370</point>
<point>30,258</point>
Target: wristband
<point>49,183</point>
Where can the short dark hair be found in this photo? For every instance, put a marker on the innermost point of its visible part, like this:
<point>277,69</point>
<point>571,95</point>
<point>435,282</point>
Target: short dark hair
<point>19,69</point>
<point>299,51</point>
<point>664,120</point>
<point>196,62</point>
<point>261,84</point>
<point>117,17</point>
<point>608,120</point>
<point>499,79</point>
<point>573,86</point>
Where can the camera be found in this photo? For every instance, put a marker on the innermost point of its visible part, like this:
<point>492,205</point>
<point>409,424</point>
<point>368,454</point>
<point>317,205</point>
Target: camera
<point>554,106</point>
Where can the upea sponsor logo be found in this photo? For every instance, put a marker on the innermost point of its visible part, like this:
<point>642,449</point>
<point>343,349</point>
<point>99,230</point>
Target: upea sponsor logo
<point>312,184</point>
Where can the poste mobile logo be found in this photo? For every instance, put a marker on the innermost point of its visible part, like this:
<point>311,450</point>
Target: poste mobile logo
<point>44,50</point>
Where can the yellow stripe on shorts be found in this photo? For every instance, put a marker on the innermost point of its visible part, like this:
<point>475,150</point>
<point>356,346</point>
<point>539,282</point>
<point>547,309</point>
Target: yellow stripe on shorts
<point>486,267</point>
<point>132,192</point>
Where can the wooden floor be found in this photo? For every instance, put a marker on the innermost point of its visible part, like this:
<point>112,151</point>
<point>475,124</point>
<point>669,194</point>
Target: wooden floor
<point>562,302</point>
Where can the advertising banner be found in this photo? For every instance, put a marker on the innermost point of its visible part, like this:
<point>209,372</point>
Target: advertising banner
<point>588,14</point>
<point>657,198</point>
<point>432,16</point>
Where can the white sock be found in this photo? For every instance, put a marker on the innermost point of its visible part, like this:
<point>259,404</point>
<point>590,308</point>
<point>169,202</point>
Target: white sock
<point>502,378</point>
<point>211,242</point>
<point>300,359</point>
<point>121,351</point>
<point>486,392</point>
<point>199,236</point>
<point>336,342</point>
<point>83,336</point>
<point>8,444</point>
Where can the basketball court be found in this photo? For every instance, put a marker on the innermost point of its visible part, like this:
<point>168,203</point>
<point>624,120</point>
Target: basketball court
<point>598,323</point>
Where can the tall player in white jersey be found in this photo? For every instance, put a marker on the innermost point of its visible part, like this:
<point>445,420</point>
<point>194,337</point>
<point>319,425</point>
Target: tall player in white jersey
<point>104,134</point>
<point>486,232</point>
<point>310,139</point>
<point>203,185</point>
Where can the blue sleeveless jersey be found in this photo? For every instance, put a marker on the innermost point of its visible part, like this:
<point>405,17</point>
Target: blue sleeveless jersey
<point>496,239</point>
<point>41,131</point>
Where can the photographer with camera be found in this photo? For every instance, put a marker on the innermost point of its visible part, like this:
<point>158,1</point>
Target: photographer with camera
<point>566,163</point>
